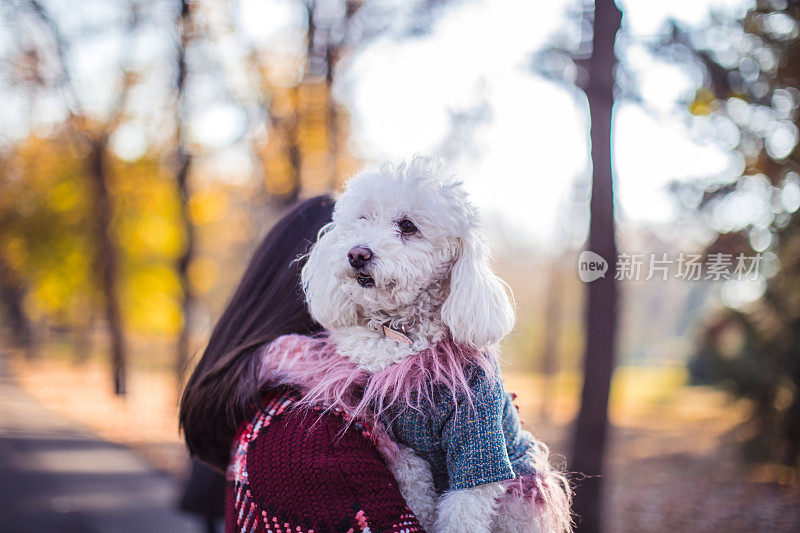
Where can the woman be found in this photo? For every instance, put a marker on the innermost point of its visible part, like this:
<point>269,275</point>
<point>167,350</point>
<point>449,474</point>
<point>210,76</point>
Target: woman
<point>287,470</point>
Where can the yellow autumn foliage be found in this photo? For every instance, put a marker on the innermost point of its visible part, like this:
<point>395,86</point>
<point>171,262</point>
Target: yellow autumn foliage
<point>47,232</point>
<point>203,274</point>
<point>208,206</point>
<point>704,102</point>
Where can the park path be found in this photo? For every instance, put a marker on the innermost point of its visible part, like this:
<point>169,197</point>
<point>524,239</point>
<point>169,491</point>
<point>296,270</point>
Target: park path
<point>57,477</point>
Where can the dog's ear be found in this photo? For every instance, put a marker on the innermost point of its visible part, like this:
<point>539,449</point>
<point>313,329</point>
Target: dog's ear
<point>477,310</point>
<point>325,295</point>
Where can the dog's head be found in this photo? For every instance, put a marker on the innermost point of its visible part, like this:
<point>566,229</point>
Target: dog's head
<point>405,242</point>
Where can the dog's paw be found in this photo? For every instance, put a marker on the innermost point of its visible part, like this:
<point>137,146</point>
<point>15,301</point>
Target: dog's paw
<point>413,475</point>
<point>467,510</point>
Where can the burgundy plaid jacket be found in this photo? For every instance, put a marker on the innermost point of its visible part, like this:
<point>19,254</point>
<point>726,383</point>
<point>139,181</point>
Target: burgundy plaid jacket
<point>296,471</point>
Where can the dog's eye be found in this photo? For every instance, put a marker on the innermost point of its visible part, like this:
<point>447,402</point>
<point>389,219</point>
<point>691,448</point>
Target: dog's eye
<point>407,227</point>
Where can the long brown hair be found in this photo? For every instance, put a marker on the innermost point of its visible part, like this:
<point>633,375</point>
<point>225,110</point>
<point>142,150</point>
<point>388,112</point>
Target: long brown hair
<point>223,390</point>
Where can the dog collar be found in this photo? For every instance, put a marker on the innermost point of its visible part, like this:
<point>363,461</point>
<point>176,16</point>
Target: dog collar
<point>394,334</point>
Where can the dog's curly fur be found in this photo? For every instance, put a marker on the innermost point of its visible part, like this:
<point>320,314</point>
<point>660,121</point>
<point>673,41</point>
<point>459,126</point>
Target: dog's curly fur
<point>427,283</point>
<point>434,283</point>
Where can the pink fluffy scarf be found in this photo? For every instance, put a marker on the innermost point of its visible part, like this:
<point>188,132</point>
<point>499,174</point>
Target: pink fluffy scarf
<point>333,381</point>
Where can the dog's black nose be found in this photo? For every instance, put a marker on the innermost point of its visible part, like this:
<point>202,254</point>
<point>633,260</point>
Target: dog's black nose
<point>359,256</point>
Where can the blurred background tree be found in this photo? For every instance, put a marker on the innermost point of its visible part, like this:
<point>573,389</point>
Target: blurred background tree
<point>45,235</point>
<point>143,130</point>
<point>600,311</point>
<point>748,71</point>
<point>749,101</point>
<point>185,31</point>
<point>45,67</point>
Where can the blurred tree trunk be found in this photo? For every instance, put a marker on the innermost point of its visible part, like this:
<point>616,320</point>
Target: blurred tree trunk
<point>334,50</point>
<point>106,250</point>
<point>107,259</point>
<point>11,298</point>
<point>292,136</point>
<point>184,161</point>
<point>601,302</point>
<point>331,55</point>
<point>792,455</point>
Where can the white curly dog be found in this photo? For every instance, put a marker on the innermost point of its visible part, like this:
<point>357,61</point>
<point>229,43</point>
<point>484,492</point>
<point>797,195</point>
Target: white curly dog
<point>403,268</point>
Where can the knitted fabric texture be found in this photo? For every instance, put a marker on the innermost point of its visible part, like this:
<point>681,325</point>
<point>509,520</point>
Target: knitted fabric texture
<point>467,444</point>
<point>302,471</point>
<point>446,403</point>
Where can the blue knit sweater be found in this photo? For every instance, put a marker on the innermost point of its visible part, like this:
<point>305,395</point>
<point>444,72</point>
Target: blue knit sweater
<point>465,445</point>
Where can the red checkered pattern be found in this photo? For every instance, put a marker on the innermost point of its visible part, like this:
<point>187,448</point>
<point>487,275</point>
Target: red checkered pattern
<point>305,471</point>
